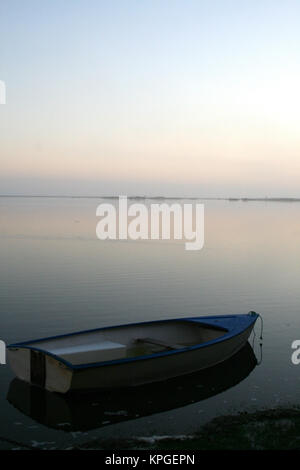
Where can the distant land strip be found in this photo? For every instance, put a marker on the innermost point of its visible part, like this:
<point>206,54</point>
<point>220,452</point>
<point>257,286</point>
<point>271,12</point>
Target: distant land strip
<point>231,199</point>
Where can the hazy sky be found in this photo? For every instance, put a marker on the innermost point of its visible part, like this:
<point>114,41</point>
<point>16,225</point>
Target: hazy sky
<point>183,97</point>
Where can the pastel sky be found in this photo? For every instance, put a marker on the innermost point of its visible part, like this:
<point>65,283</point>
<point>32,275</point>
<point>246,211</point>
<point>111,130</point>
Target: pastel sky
<point>171,97</point>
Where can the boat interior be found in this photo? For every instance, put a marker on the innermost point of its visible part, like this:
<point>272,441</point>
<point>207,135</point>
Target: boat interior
<point>128,341</point>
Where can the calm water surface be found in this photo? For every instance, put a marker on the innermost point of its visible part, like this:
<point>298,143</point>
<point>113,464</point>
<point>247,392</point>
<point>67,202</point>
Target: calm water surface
<point>57,277</point>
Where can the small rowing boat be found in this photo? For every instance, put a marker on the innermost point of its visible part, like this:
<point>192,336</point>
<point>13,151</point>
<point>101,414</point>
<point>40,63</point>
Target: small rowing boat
<point>83,411</point>
<point>129,355</point>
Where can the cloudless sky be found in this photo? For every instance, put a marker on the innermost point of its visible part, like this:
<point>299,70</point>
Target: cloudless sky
<point>183,97</point>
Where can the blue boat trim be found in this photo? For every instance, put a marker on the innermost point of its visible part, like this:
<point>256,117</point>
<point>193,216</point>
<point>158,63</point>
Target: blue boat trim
<point>233,324</point>
<point>168,320</point>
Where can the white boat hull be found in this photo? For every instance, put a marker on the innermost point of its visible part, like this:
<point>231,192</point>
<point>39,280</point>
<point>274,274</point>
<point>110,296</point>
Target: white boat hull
<point>54,375</point>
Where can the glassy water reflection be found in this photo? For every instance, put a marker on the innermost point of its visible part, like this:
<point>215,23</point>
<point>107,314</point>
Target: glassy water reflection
<point>57,277</point>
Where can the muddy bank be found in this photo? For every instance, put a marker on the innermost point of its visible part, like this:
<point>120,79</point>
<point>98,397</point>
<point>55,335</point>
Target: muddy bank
<point>265,429</point>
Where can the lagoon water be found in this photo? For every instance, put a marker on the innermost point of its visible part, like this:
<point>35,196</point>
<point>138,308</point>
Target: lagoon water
<point>57,277</point>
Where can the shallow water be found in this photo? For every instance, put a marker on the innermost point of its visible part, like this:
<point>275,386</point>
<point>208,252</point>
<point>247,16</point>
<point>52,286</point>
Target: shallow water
<point>57,277</point>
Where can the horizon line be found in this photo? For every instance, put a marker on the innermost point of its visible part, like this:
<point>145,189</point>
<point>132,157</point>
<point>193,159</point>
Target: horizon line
<point>214,198</point>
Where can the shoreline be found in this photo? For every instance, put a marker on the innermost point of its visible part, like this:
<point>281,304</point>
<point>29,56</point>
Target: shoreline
<point>265,429</point>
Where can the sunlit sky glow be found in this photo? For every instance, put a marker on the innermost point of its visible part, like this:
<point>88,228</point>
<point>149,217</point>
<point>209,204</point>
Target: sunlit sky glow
<point>164,97</point>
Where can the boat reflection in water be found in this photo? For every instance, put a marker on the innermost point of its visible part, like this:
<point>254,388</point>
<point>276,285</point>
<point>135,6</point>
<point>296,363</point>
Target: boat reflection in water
<point>86,411</point>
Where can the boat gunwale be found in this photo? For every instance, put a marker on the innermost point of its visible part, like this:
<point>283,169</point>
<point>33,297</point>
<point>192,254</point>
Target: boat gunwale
<point>228,334</point>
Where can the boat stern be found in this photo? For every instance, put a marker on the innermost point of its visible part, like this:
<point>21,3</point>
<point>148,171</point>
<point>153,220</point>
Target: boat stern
<point>39,368</point>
